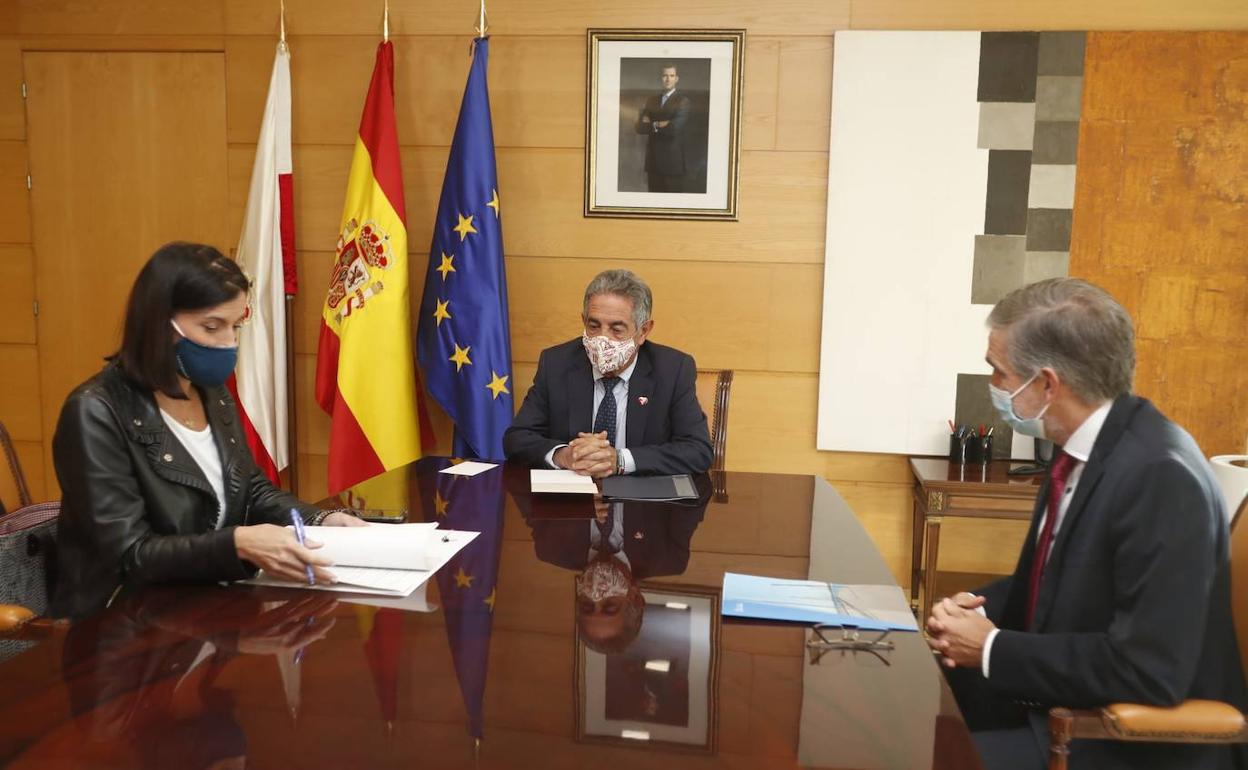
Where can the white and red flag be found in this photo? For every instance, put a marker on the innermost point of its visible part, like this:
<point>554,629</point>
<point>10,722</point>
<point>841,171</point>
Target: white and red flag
<point>266,252</point>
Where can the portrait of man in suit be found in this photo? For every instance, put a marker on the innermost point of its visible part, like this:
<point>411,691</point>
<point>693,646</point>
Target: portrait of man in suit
<point>663,135</point>
<point>610,401</point>
<point>1122,588</point>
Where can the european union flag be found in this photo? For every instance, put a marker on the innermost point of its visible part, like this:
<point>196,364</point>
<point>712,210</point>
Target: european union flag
<point>467,585</point>
<point>464,339</point>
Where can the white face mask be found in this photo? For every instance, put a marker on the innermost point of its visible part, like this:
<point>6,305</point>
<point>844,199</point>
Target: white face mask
<point>606,355</point>
<point>1003,402</point>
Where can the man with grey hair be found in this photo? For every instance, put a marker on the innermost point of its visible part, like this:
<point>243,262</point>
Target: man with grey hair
<point>1122,589</point>
<point>609,401</point>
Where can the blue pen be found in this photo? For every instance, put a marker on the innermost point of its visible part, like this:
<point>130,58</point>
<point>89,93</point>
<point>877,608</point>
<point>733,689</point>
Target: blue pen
<point>297,520</point>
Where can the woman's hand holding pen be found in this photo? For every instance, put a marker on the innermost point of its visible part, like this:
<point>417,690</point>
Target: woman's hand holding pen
<point>275,550</point>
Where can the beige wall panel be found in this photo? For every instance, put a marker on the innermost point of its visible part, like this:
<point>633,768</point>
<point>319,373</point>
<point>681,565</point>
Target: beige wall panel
<point>783,198</point>
<point>30,455</point>
<point>119,17</point>
<point>330,75</point>
<point>313,423</point>
<point>884,511</point>
<point>14,198</point>
<point>1048,14</point>
<point>19,398</point>
<point>313,477</point>
<point>980,545</point>
<point>759,93</point>
<point>17,275</point>
<point>783,211</point>
<point>129,151</point>
<point>767,324</point>
<point>12,110</point>
<point>804,108</point>
<point>187,43</point>
<point>538,17</point>
<point>8,17</point>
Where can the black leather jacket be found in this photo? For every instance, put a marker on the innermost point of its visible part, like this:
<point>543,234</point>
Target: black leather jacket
<point>136,508</point>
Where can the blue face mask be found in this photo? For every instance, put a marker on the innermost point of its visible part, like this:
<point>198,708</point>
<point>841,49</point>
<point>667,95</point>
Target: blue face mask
<point>203,365</point>
<point>1003,402</point>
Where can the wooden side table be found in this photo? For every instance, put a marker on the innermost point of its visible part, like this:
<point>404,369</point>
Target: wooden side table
<point>941,489</point>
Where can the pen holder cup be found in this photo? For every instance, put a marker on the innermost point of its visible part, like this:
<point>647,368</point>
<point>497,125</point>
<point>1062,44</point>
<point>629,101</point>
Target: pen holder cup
<point>960,448</point>
<point>983,446</point>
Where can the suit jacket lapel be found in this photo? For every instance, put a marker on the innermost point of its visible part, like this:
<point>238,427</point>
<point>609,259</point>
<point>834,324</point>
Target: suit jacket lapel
<point>580,380</point>
<point>640,388</point>
<point>1115,424</point>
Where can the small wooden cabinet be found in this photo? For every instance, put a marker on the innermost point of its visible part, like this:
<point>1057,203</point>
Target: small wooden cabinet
<point>941,489</point>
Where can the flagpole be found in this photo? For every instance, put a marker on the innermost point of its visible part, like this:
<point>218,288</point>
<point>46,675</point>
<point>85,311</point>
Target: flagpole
<point>481,26</point>
<point>385,23</point>
<point>282,28</point>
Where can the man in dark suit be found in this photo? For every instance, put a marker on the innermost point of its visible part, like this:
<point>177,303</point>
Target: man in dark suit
<point>1122,590</point>
<point>610,402</point>
<point>663,119</point>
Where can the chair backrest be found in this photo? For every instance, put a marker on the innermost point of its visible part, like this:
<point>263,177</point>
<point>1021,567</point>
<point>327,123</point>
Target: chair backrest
<point>714,389</point>
<point>13,490</point>
<point>1239,578</point>
<point>1231,471</point>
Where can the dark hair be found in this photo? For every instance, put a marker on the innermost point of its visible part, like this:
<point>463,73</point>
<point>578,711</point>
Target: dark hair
<point>180,276</point>
<point>669,65</point>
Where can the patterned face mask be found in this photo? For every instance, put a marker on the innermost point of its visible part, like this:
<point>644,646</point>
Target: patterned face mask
<point>606,355</point>
<point>603,579</point>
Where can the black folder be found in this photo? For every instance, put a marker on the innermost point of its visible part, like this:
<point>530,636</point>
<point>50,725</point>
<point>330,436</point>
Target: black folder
<point>649,488</point>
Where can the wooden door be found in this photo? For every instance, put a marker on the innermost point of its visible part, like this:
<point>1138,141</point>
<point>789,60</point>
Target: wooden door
<point>127,152</point>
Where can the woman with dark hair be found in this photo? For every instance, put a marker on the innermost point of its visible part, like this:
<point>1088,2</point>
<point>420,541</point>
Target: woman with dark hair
<point>157,482</point>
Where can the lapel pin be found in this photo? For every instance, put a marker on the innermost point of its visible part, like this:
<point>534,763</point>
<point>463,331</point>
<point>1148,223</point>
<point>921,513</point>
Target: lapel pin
<point>639,536</point>
<point>643,400</point>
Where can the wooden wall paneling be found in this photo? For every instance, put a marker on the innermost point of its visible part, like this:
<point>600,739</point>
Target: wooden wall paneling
<point>181,43</point>
<point>14,197</point>
<point>30,455</point>
<point>129,153</point>
<point>760,89</point>
<point>804,108</point>
<point>783,208</point>
<point>12,109</point>
<point>539,17</point>
<point>17,275</point>
<point>767,326</point>
<point>109,17</point>
<point>19,398</point>
<point>1048,14</point>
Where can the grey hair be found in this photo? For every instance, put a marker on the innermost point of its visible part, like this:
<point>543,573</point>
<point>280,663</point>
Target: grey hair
<point>1073,327</point>
<point>626,284</point>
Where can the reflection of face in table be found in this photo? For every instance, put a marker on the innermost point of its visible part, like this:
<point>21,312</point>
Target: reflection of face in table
<point>639,694</point>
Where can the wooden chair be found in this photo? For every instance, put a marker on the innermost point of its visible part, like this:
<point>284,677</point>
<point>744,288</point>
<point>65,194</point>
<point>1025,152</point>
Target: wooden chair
<point>1193,721</point>
<point>13,490</point>
<point>715,387</point>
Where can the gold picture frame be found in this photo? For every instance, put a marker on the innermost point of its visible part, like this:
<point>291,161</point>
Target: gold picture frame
<point>663,123</point>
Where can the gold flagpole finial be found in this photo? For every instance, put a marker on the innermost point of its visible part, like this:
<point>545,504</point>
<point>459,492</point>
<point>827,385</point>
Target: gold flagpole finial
<point>385,23</point>
<point>282,28</point>
<point>481,26</point>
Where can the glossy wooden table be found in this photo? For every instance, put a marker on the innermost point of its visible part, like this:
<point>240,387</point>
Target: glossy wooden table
<point>497,676</point>
<point>941,489</point>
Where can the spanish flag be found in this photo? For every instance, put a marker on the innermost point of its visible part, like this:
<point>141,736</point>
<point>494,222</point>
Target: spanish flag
<point>365,375</point>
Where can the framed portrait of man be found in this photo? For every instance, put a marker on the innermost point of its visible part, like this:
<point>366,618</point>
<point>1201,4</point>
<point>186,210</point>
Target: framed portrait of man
<point>660,689</point>
<point>663,123</point>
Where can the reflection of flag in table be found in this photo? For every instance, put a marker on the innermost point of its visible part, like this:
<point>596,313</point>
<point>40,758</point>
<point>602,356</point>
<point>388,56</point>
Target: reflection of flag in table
<point>382,649</point>
<point>365,376</point>
<point>467,583</point>
<point>464,340</point>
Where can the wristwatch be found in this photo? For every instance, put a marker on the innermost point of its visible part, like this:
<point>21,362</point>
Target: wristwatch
<point>619,463</point>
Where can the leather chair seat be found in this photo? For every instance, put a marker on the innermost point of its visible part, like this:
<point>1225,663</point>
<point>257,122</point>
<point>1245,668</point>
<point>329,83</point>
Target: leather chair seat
<point>1196,719</point>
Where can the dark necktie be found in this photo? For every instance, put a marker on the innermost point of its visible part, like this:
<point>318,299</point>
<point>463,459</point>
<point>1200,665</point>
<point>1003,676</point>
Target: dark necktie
<point>605,419</point>
<point>604,534</point>
<point>1063,464</point>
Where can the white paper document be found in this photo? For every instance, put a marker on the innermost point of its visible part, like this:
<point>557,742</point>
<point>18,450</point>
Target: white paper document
<point>561,481</point>
<point>440,546</point>
<point>387,546</point>
<point>468,468</point>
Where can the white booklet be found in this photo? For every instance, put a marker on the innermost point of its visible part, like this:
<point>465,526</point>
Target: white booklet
<point>561,481</point>
<point>385,559</point>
